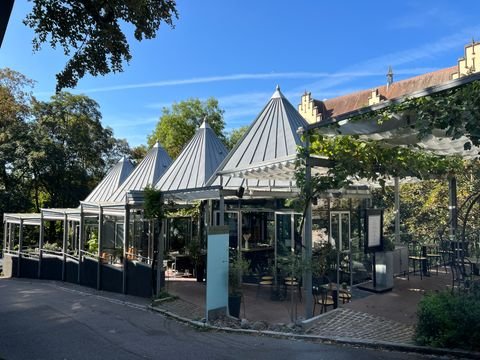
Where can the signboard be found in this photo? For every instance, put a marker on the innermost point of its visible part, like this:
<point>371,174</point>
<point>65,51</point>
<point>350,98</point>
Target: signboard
<point>373,230</point>
<point>217,272</point>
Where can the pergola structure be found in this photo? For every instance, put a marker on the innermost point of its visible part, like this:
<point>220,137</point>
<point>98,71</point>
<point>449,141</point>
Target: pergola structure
<point>400,130</point>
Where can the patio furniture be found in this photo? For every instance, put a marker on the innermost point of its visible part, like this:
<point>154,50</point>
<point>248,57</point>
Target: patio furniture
<point>417,257</point>
<point>292,284</point>
<point>265,281</point>
<point>323,297</point>
<point>345,295</point>
<point>433,256</point>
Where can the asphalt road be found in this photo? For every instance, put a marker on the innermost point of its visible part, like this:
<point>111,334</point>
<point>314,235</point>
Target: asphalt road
<point>45,320</point>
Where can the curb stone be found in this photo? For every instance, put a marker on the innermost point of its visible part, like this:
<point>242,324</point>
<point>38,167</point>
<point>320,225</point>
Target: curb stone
<point>383,345</point>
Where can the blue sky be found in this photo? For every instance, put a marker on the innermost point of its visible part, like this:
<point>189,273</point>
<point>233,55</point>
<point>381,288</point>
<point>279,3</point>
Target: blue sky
<point>237,51</point>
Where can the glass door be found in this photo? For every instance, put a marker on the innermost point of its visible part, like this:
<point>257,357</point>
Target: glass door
<point>340,238</point>
<point>288,239</point>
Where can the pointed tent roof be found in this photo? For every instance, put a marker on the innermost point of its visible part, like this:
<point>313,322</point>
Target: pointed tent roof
<point>196,163</point>
<point>115,177</point>
<point>273,135</point>
<point>148,172</point>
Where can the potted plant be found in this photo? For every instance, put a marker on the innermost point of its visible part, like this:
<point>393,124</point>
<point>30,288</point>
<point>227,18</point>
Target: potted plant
<point>238,265</point>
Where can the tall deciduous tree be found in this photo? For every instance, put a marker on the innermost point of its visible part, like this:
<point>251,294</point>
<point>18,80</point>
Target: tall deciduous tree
<point>178,124</point>
<point>72,148</point>
<point>91,30</point>
<point>235,135</point>
<point>15,101</point>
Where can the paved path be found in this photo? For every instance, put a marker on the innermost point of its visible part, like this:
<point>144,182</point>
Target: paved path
<point>352,324</point>
<point>51,320</point>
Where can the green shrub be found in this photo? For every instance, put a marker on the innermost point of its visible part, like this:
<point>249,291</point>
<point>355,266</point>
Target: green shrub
<point>449,320</point>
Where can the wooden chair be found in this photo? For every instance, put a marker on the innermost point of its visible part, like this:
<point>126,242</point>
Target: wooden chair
<point>292,284</point>
<point>264,281</point>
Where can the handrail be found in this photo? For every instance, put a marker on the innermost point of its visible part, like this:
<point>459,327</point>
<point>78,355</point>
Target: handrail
<point>90,254</point>
<point>53,252</point>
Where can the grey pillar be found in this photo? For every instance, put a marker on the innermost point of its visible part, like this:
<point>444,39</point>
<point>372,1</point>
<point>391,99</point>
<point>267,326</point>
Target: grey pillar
<point>4,236</point>
<point>397,210</point>
<point>40,246</point>
<point>81,237</point>
<point>307,281</point>
<point>100,240</point>
<point>221,221</point>
<point>160,248</point>
<point>126,230</point>
<point>20,244</point>
<point>64,247</point>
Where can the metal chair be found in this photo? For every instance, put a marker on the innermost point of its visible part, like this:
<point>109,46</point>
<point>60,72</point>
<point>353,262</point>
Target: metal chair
<point>323,297</point>
<point>417,255</point>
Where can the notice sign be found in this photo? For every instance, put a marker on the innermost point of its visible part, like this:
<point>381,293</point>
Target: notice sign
<point>373,226</point>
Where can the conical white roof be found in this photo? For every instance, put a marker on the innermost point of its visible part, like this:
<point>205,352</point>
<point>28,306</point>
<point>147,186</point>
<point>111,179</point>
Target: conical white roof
<point>273,135</point>
<point>148,172</point>
<point>114,178</point>
<point>196,163</point>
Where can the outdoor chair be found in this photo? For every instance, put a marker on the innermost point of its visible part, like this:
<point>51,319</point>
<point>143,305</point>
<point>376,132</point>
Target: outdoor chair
<point>417,258</point>
<point>323,297</point>
<point>292,284</point>
<point>434,257</point>
<point>265,281</point>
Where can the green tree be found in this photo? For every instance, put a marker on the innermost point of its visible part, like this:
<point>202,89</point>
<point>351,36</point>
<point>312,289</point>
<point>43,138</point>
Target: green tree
<point>235,135</point>
<point>91,30</point>
<point>178,124</point>
<point>72,149</point>
<point>15,102</point>
<point>137,153</point>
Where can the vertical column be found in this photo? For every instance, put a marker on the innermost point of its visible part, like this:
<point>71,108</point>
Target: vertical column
<point>397,210</point>
<point>126,231</point>
<point>222,204</point>
<point>81,236</point>
<point>160,249</point>
<point>40,245</point>
<point>307,281</point>
<point>100,241</point>
<point>452,211</point>
<point>20,244</point>
<point>64,247</point>
<point>5,229</point>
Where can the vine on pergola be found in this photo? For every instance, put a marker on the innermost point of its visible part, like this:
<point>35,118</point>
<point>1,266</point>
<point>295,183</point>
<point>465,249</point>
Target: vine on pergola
<point>456,111</point>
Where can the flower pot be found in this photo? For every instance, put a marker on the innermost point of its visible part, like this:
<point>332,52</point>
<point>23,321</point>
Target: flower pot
<point>234,302</point>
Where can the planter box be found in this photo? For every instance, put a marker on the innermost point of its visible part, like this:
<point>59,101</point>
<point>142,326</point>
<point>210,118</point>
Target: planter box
<point>384,269</point>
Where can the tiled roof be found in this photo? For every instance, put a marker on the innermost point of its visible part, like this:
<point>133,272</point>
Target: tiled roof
<point>115,177</point>
<point>196,163</point>
<point>148,172</point>
<point>350,102</point>
<point>273,135</point>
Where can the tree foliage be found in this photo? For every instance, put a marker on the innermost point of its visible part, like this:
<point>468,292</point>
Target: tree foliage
<point>91,32</point>
<point>15,106</point>
<point>234,136</point>
<point>52,153</point>
<point>72,147</point>
<point>178,124</point>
